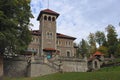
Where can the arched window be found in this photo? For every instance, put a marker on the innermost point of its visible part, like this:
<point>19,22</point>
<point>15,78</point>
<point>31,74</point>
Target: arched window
<point>53,19</point>
<point>68,53</point>
<point>49,35</point>
<point>49,18</point>
<point>45,17</point>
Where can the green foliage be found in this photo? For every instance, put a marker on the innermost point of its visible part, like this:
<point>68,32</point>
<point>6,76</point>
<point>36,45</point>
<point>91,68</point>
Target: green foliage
<point>100,37</point>
<point>14,25</point>
<point>83,48</point>
<point>108,44</point>
<point>112,39</point>
<point>118,49</point>
<point>109,69</point>
<point>92,43</point>
<point>104,50</point>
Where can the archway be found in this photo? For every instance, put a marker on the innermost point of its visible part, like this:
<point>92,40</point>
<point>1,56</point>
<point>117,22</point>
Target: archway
<point>96,64</point>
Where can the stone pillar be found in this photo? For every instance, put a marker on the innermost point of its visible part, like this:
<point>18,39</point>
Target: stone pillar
<point>61,67</point>
<point>1,67</point>
<point>45,60</point>
<point>85,58</point>
<point>32,58</point>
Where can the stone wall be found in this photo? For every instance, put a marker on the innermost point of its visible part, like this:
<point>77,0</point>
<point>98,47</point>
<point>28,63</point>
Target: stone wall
<point>15,67</point>
<point>1,67</point>
<point>19,67</point>
<point>74,66</point>
<point>40,69</point>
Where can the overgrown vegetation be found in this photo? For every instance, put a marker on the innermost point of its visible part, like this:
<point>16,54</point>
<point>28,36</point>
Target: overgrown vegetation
<point>110,69</point>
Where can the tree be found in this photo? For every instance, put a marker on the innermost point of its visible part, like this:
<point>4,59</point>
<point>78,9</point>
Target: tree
<point>100,38</point>
<point>112,39</point>
<point>92,43</point>
<point>104,50</point>
<point>84,48</point>
<point>14,25</point>
<point>118,49</point>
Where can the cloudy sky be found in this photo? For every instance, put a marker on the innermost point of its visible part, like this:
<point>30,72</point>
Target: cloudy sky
<point>78,18</point>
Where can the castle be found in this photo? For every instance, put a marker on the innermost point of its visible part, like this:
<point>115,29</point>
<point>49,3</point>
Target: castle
<point>55,52</point>
<point>46,41</point>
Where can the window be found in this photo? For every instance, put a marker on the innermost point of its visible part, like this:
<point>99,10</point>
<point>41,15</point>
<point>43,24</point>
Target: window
<point>66,43</point>
<point>49,18</point>
<point>37,39</point>
<point>59,42</point>
<point>69,43</point>
<point>53,19</point>
<point>45,17</point>
<point>68,53</point>
<point>49,35</point>
<point>49,55</point>
<point>32,39</point>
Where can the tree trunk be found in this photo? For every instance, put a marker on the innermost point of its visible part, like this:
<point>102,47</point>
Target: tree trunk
<point>1,67</point>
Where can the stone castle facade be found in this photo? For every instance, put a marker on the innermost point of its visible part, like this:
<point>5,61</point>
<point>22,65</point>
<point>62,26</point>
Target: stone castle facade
<point>55,52</point>
<point>46,41</point>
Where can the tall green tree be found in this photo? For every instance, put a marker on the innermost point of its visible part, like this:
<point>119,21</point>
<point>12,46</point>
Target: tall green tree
<point>92,43</point>
<point>100,37</point>
<point>118,48</point>
<point>112,39</point>
<point>14,25</point>
<point>84,48</point>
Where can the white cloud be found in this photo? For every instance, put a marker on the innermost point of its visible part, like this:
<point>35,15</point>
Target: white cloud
<point>80,17</point>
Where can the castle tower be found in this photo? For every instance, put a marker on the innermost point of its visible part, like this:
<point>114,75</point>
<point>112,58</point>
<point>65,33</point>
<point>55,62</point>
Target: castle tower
<point>47,19</point>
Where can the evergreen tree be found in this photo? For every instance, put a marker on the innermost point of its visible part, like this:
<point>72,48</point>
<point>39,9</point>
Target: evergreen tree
<point>92,43</point>
<point>84,48</point>
<point>118,48</point>
<point>14,25</point>
<point>112,39</point>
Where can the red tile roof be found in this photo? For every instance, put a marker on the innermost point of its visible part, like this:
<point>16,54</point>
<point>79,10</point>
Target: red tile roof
<point>59,35</point>
<point>36,32</point>
<point>49,49</point>
<point>47,11</point>
<point>97,53</point>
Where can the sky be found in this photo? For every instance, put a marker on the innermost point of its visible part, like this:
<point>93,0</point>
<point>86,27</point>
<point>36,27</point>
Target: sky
<point>79,18</point>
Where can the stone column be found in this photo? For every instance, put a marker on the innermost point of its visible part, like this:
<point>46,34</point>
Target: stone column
<point>32,58</point>
<point>1,67</point>
<point>45,59</point>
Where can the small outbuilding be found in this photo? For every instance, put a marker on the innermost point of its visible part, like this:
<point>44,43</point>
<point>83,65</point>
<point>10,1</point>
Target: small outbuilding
<point>96,61</point>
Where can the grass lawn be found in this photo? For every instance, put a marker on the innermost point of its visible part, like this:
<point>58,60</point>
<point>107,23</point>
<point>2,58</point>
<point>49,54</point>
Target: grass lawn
<point>111,73</point>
